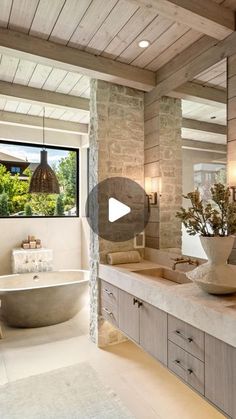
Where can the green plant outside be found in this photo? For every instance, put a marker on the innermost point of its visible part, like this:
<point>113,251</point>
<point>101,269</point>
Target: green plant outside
<point>4,207</point>
<point>15,199</point>
<point>28,210</point>
<point>60,208</point>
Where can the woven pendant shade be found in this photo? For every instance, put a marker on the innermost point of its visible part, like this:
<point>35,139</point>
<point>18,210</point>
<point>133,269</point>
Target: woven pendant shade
<point>44,179</point>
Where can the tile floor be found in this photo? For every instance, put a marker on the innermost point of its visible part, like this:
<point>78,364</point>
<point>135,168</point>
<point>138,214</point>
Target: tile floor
<point>144,386</point>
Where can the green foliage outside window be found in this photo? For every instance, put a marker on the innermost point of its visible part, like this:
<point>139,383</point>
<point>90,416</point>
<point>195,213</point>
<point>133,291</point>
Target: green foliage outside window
<point>28,210</point>
<point>16,201</point>
<point>60,209</point>
<point>4,209</point>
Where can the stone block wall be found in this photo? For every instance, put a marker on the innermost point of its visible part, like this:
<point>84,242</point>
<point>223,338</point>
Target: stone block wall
<point>163,158</point>
<point>116,149</point>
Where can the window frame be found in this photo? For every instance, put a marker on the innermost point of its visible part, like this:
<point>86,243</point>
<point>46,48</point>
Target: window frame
<point>54,147</point>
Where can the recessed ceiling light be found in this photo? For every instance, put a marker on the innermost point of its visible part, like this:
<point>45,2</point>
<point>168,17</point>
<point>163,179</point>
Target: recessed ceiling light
<point>143,44</point>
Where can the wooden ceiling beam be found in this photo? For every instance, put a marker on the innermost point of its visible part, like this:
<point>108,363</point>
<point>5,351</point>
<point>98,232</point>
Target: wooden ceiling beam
<point>199,63</point>
<point>196,125</point>
<point>202,94</point>
<point>29,121</point>
<point>204,146</point>
<point>31,135</point>
<point>44,97</point>
<point>45,52</point>
<point>204,16</point>
<point>184,57</point>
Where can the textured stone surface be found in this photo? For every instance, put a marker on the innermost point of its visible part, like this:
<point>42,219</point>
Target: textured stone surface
<point>116,149</point>
<point>32,260</point>
<point>163,157</point>
<point>45,299</point>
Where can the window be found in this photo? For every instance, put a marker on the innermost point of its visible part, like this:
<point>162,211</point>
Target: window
<point>206,174</point>
<point>15,169</point>
<point>17,164</point>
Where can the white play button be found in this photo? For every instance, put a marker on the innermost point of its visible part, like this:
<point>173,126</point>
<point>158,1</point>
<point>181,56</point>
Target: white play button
<point>116,210</point>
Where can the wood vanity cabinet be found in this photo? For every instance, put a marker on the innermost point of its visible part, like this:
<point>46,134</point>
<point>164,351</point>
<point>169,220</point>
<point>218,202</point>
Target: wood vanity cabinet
<point>145,324</point>
<point>186,353</point>
<point>153,332</point>
<point>220,374</point>
<point>129,315</point>
<point>109,303</point>
<point>205,363</point>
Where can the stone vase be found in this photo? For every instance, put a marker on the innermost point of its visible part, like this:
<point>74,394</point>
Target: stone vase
<point>216,276</point>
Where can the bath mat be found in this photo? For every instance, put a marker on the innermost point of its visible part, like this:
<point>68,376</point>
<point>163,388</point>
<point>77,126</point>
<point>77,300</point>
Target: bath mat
<point>75,392</point>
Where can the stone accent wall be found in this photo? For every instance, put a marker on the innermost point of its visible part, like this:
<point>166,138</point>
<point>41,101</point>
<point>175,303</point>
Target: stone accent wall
<point>116,149</point>
<point>163,158</point>
<point>231,124</point>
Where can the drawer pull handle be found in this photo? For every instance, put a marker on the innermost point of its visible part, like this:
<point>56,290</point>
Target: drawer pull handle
<point>178,333</point>
<point>108,292</point>
<point>135,301</point>
<point>188,370</point>
<point>108,312</point>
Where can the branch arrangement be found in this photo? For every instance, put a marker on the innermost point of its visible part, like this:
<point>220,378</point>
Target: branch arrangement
<point>211,219</point>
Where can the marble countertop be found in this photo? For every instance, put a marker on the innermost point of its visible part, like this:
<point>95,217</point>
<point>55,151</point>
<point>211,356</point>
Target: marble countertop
<point>212,314</point>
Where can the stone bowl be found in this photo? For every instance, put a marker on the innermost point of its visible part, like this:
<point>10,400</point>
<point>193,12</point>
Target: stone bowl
<point>215,289</point>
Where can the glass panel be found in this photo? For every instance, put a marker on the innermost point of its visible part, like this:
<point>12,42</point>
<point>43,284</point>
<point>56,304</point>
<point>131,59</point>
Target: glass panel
<point>17,164</point>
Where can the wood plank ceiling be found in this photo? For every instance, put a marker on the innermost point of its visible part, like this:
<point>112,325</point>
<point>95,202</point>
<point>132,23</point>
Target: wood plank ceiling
<point>214,76</point>
<point>204,113</point>
<point>44,77</point>
<point>108,28</point>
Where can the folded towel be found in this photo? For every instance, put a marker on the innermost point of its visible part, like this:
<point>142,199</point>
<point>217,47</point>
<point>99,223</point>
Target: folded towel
<point>117,258</point>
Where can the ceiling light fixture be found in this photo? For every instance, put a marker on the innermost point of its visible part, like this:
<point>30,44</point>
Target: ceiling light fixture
<point>143,44</point>
<point>44,179</point>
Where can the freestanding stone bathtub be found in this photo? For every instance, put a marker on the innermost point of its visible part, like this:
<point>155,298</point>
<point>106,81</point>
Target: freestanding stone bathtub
<point>44,298</point>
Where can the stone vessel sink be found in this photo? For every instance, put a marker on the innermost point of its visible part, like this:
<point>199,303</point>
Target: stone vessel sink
<point>165,275</point>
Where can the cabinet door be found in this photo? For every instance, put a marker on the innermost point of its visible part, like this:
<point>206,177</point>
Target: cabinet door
<point>220,374</point>
<point>153,331</point>
<point>128,315</point>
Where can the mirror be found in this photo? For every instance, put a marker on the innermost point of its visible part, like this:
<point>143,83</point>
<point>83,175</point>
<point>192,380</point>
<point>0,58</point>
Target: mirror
<point>204,146</point>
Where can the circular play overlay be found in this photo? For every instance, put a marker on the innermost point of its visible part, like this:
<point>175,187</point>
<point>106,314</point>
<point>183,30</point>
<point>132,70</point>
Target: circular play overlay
<point>117,209</point>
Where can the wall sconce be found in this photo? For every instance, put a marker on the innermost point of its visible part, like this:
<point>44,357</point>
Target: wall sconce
<point>231,169</point>
<point>152,188</point>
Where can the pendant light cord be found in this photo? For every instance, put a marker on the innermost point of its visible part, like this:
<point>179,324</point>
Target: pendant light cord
<point>44,128</point>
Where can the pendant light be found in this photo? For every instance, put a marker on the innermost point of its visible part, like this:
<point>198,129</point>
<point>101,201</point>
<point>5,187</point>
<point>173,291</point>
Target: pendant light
<point>44,179</point>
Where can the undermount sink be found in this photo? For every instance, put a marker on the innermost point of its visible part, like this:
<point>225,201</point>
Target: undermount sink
<point>166,275</point>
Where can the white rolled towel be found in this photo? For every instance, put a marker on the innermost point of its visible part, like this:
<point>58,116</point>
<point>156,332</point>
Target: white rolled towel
<point>118,258</point>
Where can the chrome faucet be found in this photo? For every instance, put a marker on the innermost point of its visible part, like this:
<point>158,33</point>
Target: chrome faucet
<point>184,260</point>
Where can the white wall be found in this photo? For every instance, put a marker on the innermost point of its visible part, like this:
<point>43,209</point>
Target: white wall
<point>85,239</point>
<point>191,245</point>
<point>63,235</point>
